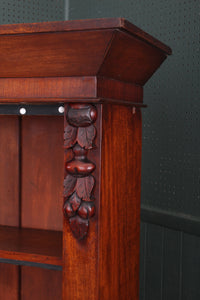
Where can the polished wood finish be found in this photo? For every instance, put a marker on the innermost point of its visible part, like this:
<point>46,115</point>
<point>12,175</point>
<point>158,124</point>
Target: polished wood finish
<point>134,54</point>
<point>97,68</point>
<point>119,215</point>
<point>40,284</point>
<point>9,197</point>
<point>80,268</point>
<point>53,89</point>
<point>42,176</point>
<point>110,90</point>
<point>9,282</point>
<point>47,90</point>
<point>9,170</point>
<point>65,50</point>
<point>53,55</point>
<point>82,25</point>
<point>39,246</point>
<point>115,262</point>
<point>41,192</point>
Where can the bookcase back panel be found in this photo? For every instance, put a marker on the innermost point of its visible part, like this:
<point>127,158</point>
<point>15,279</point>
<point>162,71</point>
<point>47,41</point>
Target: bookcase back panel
<point>41,284</point>
<point>9,170</point>
<point>42,176</point>
<point>31,179</point>
<point>9,282</point>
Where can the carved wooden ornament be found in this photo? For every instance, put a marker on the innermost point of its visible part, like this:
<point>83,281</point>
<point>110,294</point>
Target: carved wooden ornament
<point>79,183</point>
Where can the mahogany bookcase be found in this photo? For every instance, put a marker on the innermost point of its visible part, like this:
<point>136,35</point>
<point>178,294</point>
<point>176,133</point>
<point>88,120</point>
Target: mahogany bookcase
<point>80,239</point>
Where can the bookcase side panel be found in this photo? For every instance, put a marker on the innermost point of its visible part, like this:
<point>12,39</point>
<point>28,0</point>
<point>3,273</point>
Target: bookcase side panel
<point>119,219</point>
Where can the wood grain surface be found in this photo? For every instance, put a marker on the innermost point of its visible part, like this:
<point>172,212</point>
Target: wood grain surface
<point>9,197</point>
<point>120,203</point>
<point>40,246</point>
<point>106,23</point>
<point>9,170</point>
<point>9,279</point>
<point>92,89</point>
<point>54,89</point>
<point>137,61</point>
<point>53,54</point>
<point>106,264</point>
<point>42,172</point>
<point>115,90</point>
<point>41,284</point>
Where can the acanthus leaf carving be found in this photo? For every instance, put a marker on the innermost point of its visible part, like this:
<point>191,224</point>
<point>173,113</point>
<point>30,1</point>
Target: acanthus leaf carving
<point>75,201</point>
<point>69,185</point>
<point>70,134</point>
<point>84,187</point>
<point>86,136</point>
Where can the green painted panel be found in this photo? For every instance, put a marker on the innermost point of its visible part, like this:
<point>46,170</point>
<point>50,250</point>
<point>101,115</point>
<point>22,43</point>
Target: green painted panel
<point>172,265</point>
<point>191,268</point>
<point>143,253</point>
<point>154,263</point>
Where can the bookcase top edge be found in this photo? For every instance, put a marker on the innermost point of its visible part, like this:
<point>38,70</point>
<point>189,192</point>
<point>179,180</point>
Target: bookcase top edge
<point>82,25</point>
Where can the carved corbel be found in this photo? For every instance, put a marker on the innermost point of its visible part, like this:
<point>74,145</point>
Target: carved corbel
<point>79,182</point>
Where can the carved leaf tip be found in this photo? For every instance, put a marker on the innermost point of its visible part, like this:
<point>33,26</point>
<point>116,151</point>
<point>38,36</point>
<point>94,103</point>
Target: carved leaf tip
<point>84,187</point>
<point>69,185</point>
<point>86,136</point>
<point>70,134</point>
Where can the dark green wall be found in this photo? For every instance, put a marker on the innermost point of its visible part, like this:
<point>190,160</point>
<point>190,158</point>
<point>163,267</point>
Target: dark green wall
<point>170,243</point>
<point>27,11</point>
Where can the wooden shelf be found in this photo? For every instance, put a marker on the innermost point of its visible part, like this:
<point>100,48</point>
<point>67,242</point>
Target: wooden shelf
<point>31,245</point>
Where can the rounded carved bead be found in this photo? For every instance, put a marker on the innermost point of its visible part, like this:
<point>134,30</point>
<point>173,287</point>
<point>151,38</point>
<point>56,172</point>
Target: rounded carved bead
<point>82,116</point>
<point>79,152</point>
<point>79,168</point>
<point>68,211</point>
<point>86,210</point>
